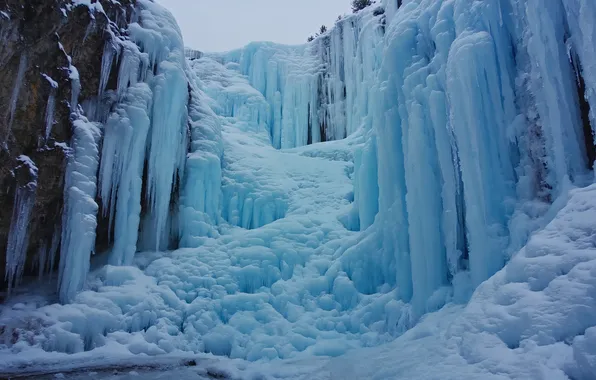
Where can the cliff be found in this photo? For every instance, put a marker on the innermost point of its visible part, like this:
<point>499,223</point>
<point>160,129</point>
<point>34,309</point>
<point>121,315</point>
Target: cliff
<point>41,40</point>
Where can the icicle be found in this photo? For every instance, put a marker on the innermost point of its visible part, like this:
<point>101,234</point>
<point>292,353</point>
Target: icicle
<point>49,116</point>
<point>107,60</point>
<point>75,89</point>
<point>47,254</point>
<point>130,63</point>
<point>121,173</point>
<point>159,38</point>
<point>79,218</point>
<point>16,250</point>
<point>167,141</point>
<point>75,80</point>
<point>15,93</point>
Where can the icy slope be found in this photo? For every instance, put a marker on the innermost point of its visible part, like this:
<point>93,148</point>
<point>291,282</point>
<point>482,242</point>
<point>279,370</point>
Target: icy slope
<point>535,319</point>
<point>532,320</point>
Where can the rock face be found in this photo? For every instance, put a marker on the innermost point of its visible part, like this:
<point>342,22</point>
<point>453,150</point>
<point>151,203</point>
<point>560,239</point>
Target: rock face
<point>41,39</point>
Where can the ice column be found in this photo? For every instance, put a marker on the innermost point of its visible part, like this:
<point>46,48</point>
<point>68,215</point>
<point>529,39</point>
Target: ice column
<point>79,218</point>
<point>160,38</point>
<point>16,249</point>
<point>121,174</point>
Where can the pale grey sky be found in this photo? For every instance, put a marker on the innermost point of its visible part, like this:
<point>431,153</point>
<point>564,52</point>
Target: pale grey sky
<point>220,25</point>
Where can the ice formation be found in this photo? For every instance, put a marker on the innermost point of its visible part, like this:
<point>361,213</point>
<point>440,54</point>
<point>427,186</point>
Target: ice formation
<point>200,199</point>
<point>16,249</point>
<point>80,209</point>
<point>325,197</point>
<point>147,129</point>
<point>18,85</point>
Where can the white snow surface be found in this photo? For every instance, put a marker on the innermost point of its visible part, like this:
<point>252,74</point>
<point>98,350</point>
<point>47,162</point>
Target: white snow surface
<point>446,231</point>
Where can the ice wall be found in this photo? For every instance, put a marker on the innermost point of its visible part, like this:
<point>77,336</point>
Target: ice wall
<point>145,146</point>
<point>288,78</point>
<point>200,200</point>
<point>142,128</point>
<point>319,91</point>
<point>477,130</point>
<point>247,201</point>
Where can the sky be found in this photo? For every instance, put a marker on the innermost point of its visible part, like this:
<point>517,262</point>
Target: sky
<point>221,25</point>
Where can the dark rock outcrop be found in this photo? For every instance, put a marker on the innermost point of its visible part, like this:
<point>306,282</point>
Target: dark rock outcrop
<point>38,37</point>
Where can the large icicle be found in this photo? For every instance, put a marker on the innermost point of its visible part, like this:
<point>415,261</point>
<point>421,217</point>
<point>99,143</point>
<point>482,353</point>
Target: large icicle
<point>159,36</point>
<point>15,94</point>
<point>121,174</point>
<point>145,135</point>
<point>18,236</point>
<point>79,219</point>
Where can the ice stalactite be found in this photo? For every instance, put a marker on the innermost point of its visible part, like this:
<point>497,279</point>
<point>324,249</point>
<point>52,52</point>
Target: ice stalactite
<point>79,219</point>
<point>366,187</point>
<point>121,174</point>
<point>18,236</point>
<point>110,53</point>
<point>160,38</point>
<point>47,254</point>
<point>50,108</point>
<point>18,85</point>
<point>146,133</point>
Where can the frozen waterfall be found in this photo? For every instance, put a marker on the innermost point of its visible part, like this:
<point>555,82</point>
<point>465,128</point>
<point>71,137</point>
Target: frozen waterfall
<point>298,201</point>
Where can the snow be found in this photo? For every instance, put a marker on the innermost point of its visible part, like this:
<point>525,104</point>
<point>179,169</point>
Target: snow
<point>52,82</point>
<point>75,80</point>
<point>528,321</point>
<point>93,6</point>
<point>408,196</point>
